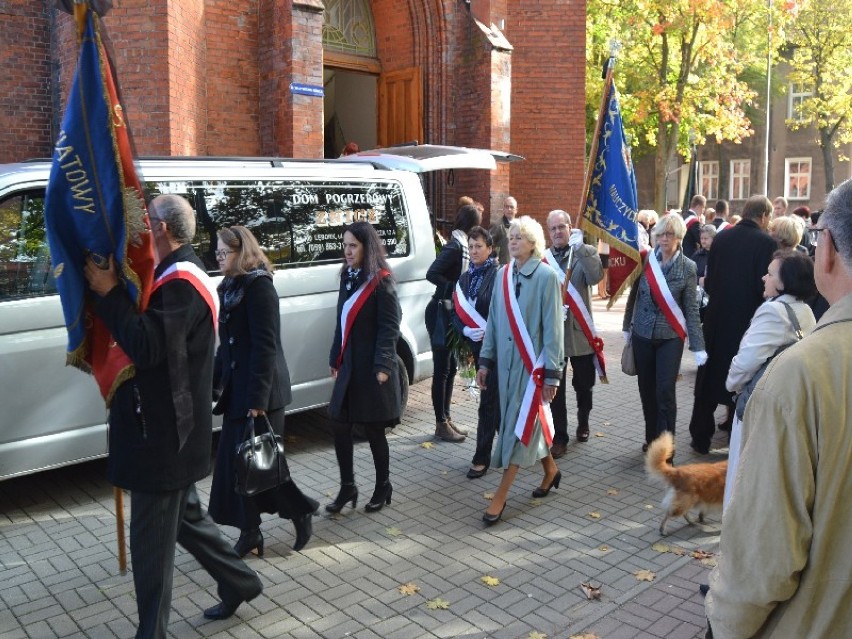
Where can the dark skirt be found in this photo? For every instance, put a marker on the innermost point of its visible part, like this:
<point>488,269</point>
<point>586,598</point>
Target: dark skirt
<point>227,507</point>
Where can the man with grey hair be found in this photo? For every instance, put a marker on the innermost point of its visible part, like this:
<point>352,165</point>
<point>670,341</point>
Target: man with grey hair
<point>160,419</point>
<point>500,230</point>
<point>784,569</point>
<point>570,257</point>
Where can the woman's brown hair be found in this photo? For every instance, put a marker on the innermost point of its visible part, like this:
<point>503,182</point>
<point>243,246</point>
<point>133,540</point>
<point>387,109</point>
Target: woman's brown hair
<point>249,254</point>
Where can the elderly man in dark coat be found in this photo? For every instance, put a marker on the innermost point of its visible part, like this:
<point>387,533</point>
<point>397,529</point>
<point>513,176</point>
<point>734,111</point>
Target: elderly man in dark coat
<point>160,431</point>
<point>734,282</point>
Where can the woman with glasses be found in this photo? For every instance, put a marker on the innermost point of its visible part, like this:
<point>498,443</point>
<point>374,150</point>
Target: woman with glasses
<point>252,379</point>
<point>657,320</point>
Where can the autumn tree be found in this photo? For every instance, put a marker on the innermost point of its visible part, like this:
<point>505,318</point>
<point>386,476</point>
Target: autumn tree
<point>820,61</point>
<point>681,70</point>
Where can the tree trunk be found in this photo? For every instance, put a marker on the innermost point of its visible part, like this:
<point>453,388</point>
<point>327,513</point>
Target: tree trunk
<point>663,154</point>
<point>827,158</point>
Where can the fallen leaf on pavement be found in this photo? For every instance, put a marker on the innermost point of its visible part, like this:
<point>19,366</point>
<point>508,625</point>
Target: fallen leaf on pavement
<point>710,562</point>
<point>488,495</point>
<point>661,547</point>
<point>644,575</point>
<point>535,634</point>
<point>701,554</point>
<point>649,507</point>
<point>603,548</point>
<point>490,581</point>
<point>408,589</point>
<point>607,423</point>
<point>393,531</point>
<point>599,435</point>
<point>437,604</point>
<point>444,472</point>
<point>612,491</point>
<point>595,515</point>
<point>427,445</point>
<point>592,592</point>
<point>677,550</point>
<point>587,635</point>
<point>535,502</point>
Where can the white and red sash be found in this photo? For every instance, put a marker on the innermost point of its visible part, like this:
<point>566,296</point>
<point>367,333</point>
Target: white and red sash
<point>572,298</point>
<point>352,307</point>
<point>723,226</point>
<point>663,295</point>
<point>200,281</point>
<point>466,311</point>
<point>532,405</point>
<point>690,219</point>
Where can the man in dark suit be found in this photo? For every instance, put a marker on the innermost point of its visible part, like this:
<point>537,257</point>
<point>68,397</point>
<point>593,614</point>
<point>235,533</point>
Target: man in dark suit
<point>160,420</point>
<point>734,283</point>
<point>692,239</point>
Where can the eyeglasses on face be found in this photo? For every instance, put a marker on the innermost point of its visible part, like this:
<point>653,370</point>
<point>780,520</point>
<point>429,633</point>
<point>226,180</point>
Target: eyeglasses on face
<point>820,229</point>
<point>221,253</point>
<point>668,234</point>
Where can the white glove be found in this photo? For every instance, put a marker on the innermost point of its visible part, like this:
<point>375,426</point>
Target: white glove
<point>626,336</point>
<point>575,240</point>
<point>700,358</point>
<point>473,334</point>
<point>564,312</point>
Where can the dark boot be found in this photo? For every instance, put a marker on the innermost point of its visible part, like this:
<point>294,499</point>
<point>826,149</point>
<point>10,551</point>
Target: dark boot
<point>249,540</point>
<point>381,496</point>
<point>348,492</point>
<point>444,431</point>
<point>304,529</point>
<point>458,429</point>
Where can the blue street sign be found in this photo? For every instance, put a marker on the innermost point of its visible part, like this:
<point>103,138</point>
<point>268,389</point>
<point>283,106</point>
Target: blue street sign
<point>307,89</point>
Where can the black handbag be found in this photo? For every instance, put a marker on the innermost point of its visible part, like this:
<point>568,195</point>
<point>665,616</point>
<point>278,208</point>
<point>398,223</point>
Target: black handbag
<point>260,463</point>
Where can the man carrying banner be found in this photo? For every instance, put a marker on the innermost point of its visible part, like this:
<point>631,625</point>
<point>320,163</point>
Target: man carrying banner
<point>578,267</point>
<point>160,419</point>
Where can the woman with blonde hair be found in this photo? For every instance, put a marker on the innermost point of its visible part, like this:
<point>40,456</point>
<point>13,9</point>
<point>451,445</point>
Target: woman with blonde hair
<point>252,380</point>
<point>788,232</point>
<point>657,320</point>
<point>524,337</point>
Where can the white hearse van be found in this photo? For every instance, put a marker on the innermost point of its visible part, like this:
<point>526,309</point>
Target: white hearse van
<point>53,415</point>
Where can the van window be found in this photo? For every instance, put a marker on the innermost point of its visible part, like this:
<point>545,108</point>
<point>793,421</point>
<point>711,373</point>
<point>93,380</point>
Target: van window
<point>24,255</point>
<point>297,223</point>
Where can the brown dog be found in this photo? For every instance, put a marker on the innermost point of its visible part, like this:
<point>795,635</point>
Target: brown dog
<point>690,486</point>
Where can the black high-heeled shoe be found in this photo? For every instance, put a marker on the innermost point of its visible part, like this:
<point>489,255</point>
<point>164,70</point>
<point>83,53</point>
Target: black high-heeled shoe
<point>249,540</point>
<point>348,492</point>
<point>490,520</point>
<point>381,496</point>
<point>554,483</point>
<point>304,529</point>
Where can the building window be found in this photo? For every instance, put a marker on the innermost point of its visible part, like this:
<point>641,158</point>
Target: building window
<point>348,27</point>
<point>740,179</point>
<point>797,93</point>
<point>797,178</point>
<point>708,180</point>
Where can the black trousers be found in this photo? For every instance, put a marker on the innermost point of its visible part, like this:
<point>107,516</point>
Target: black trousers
<point>345,451</point>
<point>489,420</point>
<point>657,366</point>
<point>157,522</point>
<point>443,376</point>
<point>583,380</point>
<point>702,423</point>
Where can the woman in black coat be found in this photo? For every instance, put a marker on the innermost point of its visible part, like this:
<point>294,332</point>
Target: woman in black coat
<point>444,272</point>
<point>476,286</point>
<point>363,363</point>
<point>252,378</point>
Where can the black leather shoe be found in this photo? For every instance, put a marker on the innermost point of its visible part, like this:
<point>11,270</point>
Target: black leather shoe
<point>582,434</point>
<point>304,529</point>
<point>474,473</point>
<point>701,450</point>
<point>490,520</point>
<point>554,483</point>
<point>558,450</point>
<point>381,496</point>
<point>221,611</point>
<point>249,540</point>
<point>703,589</point>
<point>348,492</point>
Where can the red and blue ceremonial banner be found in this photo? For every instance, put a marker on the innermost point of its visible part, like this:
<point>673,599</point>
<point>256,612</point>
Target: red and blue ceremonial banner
<point>610,207</point>
<point>95,207</point>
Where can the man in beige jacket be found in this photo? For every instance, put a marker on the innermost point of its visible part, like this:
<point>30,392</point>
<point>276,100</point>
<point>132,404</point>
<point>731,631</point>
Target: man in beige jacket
<point>785,568</point>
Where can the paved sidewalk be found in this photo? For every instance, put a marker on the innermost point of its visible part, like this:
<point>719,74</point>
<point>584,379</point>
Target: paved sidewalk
<point>59,571</point>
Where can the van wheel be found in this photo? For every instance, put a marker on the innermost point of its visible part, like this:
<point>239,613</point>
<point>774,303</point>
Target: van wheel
<point>402,372</point>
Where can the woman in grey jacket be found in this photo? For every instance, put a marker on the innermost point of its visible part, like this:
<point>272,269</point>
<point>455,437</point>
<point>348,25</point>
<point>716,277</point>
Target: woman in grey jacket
<point>654,331</point>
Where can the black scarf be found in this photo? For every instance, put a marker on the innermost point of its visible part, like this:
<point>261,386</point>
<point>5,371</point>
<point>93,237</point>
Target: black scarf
<point>232,289</point>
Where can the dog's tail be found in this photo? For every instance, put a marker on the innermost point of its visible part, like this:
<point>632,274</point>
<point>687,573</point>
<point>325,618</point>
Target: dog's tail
<point>658,452</point>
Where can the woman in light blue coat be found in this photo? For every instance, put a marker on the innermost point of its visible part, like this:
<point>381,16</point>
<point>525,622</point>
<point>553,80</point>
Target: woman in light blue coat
<point>536,288</point>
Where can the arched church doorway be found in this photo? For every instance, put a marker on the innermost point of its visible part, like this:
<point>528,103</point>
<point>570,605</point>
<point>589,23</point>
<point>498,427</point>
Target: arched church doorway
<point>362,103</point>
